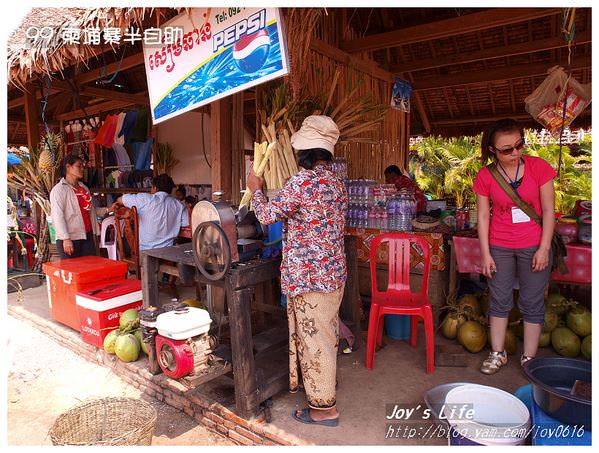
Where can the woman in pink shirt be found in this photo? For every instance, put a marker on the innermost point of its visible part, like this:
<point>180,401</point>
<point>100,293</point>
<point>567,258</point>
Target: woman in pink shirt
<point>514,248</point>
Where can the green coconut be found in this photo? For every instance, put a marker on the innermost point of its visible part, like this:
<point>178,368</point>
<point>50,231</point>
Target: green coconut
<point>557,303</point>
<point>565,342</point>
<point>129,320</point>
<point>139,336</point>
<point>473,336</point>
<point>551,321</point>
<point>449,327</point>
<point>544,339</point>
<point>578,321</point>
<point>510,342</point>
<point>585,347</point>
<point>110,340</point>
<point>519,329</point>
<point>469,304</point>
<point>127,348</point>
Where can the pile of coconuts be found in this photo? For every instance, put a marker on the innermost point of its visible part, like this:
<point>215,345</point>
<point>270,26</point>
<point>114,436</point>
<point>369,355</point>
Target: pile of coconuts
<point>126,341</point>
<point>567,326</point>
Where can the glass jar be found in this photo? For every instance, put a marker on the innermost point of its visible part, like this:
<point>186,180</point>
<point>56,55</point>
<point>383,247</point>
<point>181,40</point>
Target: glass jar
<point>585,230</point>
<point>567,228</point>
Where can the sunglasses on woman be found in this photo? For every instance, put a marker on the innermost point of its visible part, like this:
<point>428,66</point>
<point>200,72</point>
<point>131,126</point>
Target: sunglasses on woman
<point>510,149</point>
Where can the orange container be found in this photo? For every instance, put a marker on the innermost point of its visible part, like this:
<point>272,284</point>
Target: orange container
<point>67,277</point>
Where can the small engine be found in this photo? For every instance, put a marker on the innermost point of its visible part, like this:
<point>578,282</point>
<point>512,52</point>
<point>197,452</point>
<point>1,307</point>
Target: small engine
<point>178,339</point>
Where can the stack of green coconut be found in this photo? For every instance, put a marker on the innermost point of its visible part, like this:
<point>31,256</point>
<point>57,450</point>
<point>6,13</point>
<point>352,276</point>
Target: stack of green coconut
<point>567,325</point>
<point>126,341</point>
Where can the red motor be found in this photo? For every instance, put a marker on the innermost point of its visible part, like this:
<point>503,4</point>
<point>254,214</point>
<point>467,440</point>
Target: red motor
<point>175,357</point>
<point>183,345</point>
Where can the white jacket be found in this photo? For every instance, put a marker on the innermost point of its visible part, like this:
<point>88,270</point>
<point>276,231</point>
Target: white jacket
<point>66,214</point>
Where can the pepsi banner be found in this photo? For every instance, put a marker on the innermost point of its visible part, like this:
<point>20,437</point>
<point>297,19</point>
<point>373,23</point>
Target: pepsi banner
<point>217,52</point>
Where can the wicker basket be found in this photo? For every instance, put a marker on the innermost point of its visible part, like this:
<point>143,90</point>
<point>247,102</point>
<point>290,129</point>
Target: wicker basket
<point>106,421</point>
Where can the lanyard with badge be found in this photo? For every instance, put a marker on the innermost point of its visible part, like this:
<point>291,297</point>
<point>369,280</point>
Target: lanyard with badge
<point>518,215</point>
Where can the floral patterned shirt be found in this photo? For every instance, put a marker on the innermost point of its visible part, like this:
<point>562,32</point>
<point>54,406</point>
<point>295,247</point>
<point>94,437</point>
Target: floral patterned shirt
<point>313,203</point>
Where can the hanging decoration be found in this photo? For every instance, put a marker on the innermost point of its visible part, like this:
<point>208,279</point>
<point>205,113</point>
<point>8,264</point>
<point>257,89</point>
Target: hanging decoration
<point>402,92</point>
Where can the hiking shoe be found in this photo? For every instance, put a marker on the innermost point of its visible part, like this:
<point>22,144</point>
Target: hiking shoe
<point>524,359</point>
<point>494,362</point>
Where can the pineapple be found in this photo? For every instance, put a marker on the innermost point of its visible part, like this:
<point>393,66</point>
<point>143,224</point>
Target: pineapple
<point>50,147</point>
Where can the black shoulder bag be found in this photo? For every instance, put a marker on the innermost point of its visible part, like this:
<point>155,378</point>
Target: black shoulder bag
<point>558,248</point>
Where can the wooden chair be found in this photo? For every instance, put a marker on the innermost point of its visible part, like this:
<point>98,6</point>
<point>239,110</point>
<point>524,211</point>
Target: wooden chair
<point>127,225</point>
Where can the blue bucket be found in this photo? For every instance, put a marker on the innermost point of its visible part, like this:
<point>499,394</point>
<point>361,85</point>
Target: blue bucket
<point>397,327</point>
<point>275,231</point>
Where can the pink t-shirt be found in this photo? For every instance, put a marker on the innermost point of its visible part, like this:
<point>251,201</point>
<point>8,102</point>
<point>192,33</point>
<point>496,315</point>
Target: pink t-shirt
<point>503,232</point>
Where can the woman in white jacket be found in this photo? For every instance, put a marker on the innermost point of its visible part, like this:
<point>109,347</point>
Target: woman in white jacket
<point>73,213</point>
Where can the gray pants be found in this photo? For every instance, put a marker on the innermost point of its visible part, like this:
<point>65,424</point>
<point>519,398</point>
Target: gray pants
<point>516,265</point>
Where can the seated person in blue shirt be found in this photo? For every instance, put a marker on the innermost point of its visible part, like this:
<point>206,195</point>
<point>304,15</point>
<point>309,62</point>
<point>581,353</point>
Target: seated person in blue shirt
<point>160,215</point>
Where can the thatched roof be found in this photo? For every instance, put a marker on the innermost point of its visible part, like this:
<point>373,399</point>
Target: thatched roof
<point>26,61</point>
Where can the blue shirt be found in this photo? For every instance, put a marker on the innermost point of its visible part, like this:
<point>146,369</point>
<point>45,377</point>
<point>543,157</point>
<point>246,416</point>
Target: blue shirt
<point>160,218</point>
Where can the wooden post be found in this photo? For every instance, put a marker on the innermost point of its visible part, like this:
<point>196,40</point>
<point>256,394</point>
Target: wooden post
<point>31,117</point>
<point>220,137</point>
<point>242,348</point>
<point>237,158</point>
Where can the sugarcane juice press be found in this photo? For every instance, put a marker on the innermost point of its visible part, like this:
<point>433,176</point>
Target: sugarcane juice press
<point>225,253</point>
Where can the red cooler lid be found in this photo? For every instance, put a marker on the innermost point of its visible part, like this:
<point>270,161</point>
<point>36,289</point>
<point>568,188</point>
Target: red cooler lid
<point>109,290</point>
<point>87,269</point>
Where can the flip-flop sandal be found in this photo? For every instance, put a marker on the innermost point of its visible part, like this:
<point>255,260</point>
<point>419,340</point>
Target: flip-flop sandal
<point>304,417</point>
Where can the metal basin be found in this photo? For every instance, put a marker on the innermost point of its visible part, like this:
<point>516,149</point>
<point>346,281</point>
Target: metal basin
<point>552,380</point>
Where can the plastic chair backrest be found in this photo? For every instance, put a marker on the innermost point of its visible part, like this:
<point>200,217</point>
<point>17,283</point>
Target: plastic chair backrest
<point>110,246</point>
<point>400,245</point>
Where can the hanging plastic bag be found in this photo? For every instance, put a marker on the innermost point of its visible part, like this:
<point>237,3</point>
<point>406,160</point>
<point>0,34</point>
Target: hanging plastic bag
<point>546,103</point>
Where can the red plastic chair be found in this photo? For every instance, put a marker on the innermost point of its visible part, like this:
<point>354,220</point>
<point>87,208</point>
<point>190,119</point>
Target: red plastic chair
<point>398,299</point>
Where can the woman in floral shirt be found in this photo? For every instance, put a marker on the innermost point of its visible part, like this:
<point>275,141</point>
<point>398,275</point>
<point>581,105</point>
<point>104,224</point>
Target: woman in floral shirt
<point>313,272</point>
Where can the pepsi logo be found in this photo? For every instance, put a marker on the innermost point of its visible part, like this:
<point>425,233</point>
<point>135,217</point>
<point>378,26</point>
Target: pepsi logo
<point>251,51</point>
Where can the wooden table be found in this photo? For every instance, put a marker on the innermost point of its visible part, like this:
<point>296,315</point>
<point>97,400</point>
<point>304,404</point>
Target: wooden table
<point>258,373</point>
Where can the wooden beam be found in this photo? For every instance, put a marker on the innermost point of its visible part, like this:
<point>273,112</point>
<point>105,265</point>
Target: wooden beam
<point>31,117</point>
<point>60,103</point>
<point>127,63</point>
<point>20,101</point>
<point>490,118</point>
<point>369,67</point>
<point>220,151</point>
<point>95,109</point>
<point>419,105</point>
<point>487,54</point>
<point>103,93</point>
<point>495,17</point>
<point>504,73</point>
<point>20,119</point>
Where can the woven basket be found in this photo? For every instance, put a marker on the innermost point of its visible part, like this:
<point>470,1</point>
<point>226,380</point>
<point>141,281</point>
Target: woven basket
<point>106,421</point>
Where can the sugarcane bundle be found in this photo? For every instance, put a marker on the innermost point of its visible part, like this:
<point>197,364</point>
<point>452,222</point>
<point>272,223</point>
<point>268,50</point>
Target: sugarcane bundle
<point>273,159</point>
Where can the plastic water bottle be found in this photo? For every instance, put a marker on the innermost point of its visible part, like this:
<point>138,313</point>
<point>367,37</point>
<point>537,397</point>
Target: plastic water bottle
<point>405,211</point>
<point>384,218</point>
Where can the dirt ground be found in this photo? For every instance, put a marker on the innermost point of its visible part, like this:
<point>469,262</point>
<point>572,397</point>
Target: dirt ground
<point>45,379</point>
